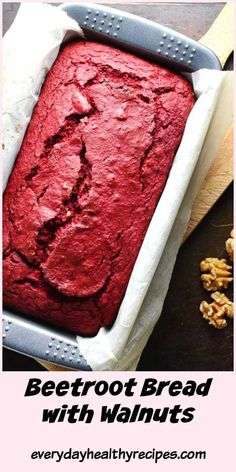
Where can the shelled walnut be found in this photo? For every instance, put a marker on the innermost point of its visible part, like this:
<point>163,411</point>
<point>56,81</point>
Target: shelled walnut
<point>217,274</point>
<point>216,311</point>
<point>229,245</point>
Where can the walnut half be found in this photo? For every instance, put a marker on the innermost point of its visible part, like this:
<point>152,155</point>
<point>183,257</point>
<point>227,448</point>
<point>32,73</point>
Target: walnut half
<point>229,245</point>
<point>217,274</point>
<point>216,311</point>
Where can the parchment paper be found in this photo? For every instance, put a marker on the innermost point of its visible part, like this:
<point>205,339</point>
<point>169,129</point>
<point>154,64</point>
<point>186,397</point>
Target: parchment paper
<point>29,49</point>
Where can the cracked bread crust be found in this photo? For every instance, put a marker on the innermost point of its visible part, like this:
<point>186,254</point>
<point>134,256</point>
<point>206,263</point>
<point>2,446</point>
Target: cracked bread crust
<point>86,182</point>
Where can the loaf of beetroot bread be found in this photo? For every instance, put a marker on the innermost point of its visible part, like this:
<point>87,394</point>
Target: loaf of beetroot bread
<point>90,172</point>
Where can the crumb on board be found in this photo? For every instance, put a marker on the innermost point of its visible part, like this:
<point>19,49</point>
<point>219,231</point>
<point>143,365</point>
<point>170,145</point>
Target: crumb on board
<point>229,246</point>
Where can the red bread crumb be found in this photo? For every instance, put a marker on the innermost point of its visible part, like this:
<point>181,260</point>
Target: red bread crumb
<point>86,182</point>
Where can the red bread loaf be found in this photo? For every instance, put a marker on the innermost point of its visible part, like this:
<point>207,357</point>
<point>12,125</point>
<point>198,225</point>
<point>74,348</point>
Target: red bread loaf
<point>91,169</point>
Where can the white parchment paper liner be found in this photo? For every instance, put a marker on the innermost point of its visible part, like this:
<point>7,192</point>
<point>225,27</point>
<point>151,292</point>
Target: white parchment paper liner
<point>29,49</point>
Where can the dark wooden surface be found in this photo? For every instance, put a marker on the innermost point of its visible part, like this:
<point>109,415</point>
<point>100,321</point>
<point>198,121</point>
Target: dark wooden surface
<point>181,340</point>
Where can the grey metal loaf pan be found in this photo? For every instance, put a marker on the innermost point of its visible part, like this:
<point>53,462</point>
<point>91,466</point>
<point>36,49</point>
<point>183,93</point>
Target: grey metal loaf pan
<point>138,36</point>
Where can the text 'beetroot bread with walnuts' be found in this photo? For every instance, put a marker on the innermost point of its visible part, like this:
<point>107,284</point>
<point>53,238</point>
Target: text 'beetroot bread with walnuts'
<point>91,169</point>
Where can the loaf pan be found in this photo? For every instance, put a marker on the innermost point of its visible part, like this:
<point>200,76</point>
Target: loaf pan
<point>152,41</point>
<point>141,36</point>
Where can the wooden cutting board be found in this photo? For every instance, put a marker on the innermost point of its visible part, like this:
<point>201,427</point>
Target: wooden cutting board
<point>220,39</point>
<point>218,178</point>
